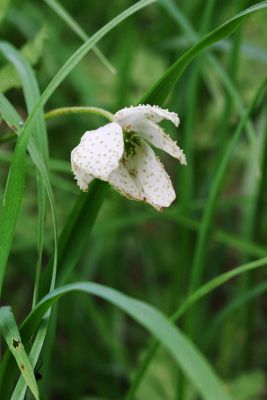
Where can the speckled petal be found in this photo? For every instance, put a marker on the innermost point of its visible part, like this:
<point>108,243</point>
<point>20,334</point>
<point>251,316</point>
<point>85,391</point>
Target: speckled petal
<point>83,179</point>
<point>151,178</point>
<point>130,116</point>
<point>98,153</point>
<point>154,134</point>
<point>126,184</point>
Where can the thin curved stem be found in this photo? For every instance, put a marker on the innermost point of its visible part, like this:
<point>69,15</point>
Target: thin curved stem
<point>58,112</point>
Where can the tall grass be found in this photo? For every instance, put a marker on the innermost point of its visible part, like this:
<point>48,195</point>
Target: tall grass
<point>192,277</point>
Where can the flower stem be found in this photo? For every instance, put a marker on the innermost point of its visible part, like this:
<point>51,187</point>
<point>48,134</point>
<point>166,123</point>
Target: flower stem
<point>58,112</point>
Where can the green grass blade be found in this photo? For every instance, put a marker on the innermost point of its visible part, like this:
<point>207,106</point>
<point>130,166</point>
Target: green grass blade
<point>21,387</point>
<point>235,305</point>
<point>82,51</point>
<point>32,94</point>
<point>12,118</point>
<point>75,27</point>
<point>202,241</point>
<point>9,330</point>
<point>32,52</point>
<point>226,80</point>
<point>186,355</point>
<point>15,184</point>
<point>10,114</point>
<point>199,257</point>
<point>30,90</point>
<point>188,303</point>
<point>249,228</point>
<point>159,92</point>
<point>215,283</point>
<point>187,175</point>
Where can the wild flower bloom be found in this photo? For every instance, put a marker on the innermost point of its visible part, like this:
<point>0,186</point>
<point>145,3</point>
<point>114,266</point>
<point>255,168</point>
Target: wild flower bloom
<point>120,154</point>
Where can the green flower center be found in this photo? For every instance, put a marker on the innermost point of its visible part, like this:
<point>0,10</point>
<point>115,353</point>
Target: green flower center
<point>131,141</point>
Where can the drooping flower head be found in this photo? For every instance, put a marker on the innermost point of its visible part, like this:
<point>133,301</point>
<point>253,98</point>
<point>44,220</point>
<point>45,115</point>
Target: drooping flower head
<point>119,153</point>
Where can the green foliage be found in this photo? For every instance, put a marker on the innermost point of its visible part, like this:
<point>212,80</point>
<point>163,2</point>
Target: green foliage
<point>3,9</point>
<point>67,18</point>
<point>249,386</point>
<point>158,93</point>
<point>202,262</point>
<point>32,51</point>
<point>9,330</point>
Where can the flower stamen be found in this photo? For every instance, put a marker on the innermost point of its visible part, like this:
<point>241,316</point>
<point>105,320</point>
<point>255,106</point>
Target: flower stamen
<point>131,141</point>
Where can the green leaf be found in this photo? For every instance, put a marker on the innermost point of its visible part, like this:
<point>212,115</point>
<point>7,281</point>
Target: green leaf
<point>32,95</point>
<point>184,307</point>
<point>21,387</point>
<point>162,88</point>
<point>197,369</point>
<point>226,80</point>
<point>235,305</point>
<point>32,51</point>
<point>72,24</point>
<point>9,330</point>
<point>38,148</point>
<point>199,256</point>
<point>215,283</point>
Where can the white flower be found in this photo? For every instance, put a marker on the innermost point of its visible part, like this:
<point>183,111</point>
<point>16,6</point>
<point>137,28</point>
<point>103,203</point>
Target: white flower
<point>119,153</point>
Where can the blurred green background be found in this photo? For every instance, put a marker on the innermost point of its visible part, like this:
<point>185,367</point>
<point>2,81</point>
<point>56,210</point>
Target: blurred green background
<point>132,247</point>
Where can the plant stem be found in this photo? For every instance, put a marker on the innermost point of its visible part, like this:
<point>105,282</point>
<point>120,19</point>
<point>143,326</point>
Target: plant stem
<point>58,112</point>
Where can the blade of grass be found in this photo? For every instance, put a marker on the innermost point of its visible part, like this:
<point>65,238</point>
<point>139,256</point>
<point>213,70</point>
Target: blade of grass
<point>181,310</point>
<point>235,305</point>
<point>186,355</point>
<point>75,27</point>
<point>187,179</point>
<point>13,119</point>
<point>9,330</point>
<point>30,90</point>
<point>32,52</point>
<point>159,92</point>
<point>247,49</point>
<point>184,23</point>
<point>249,227</point>
<point>32,94</point>
<point>186,175</point>
<point>200,253</point>
<point>21,387</point>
